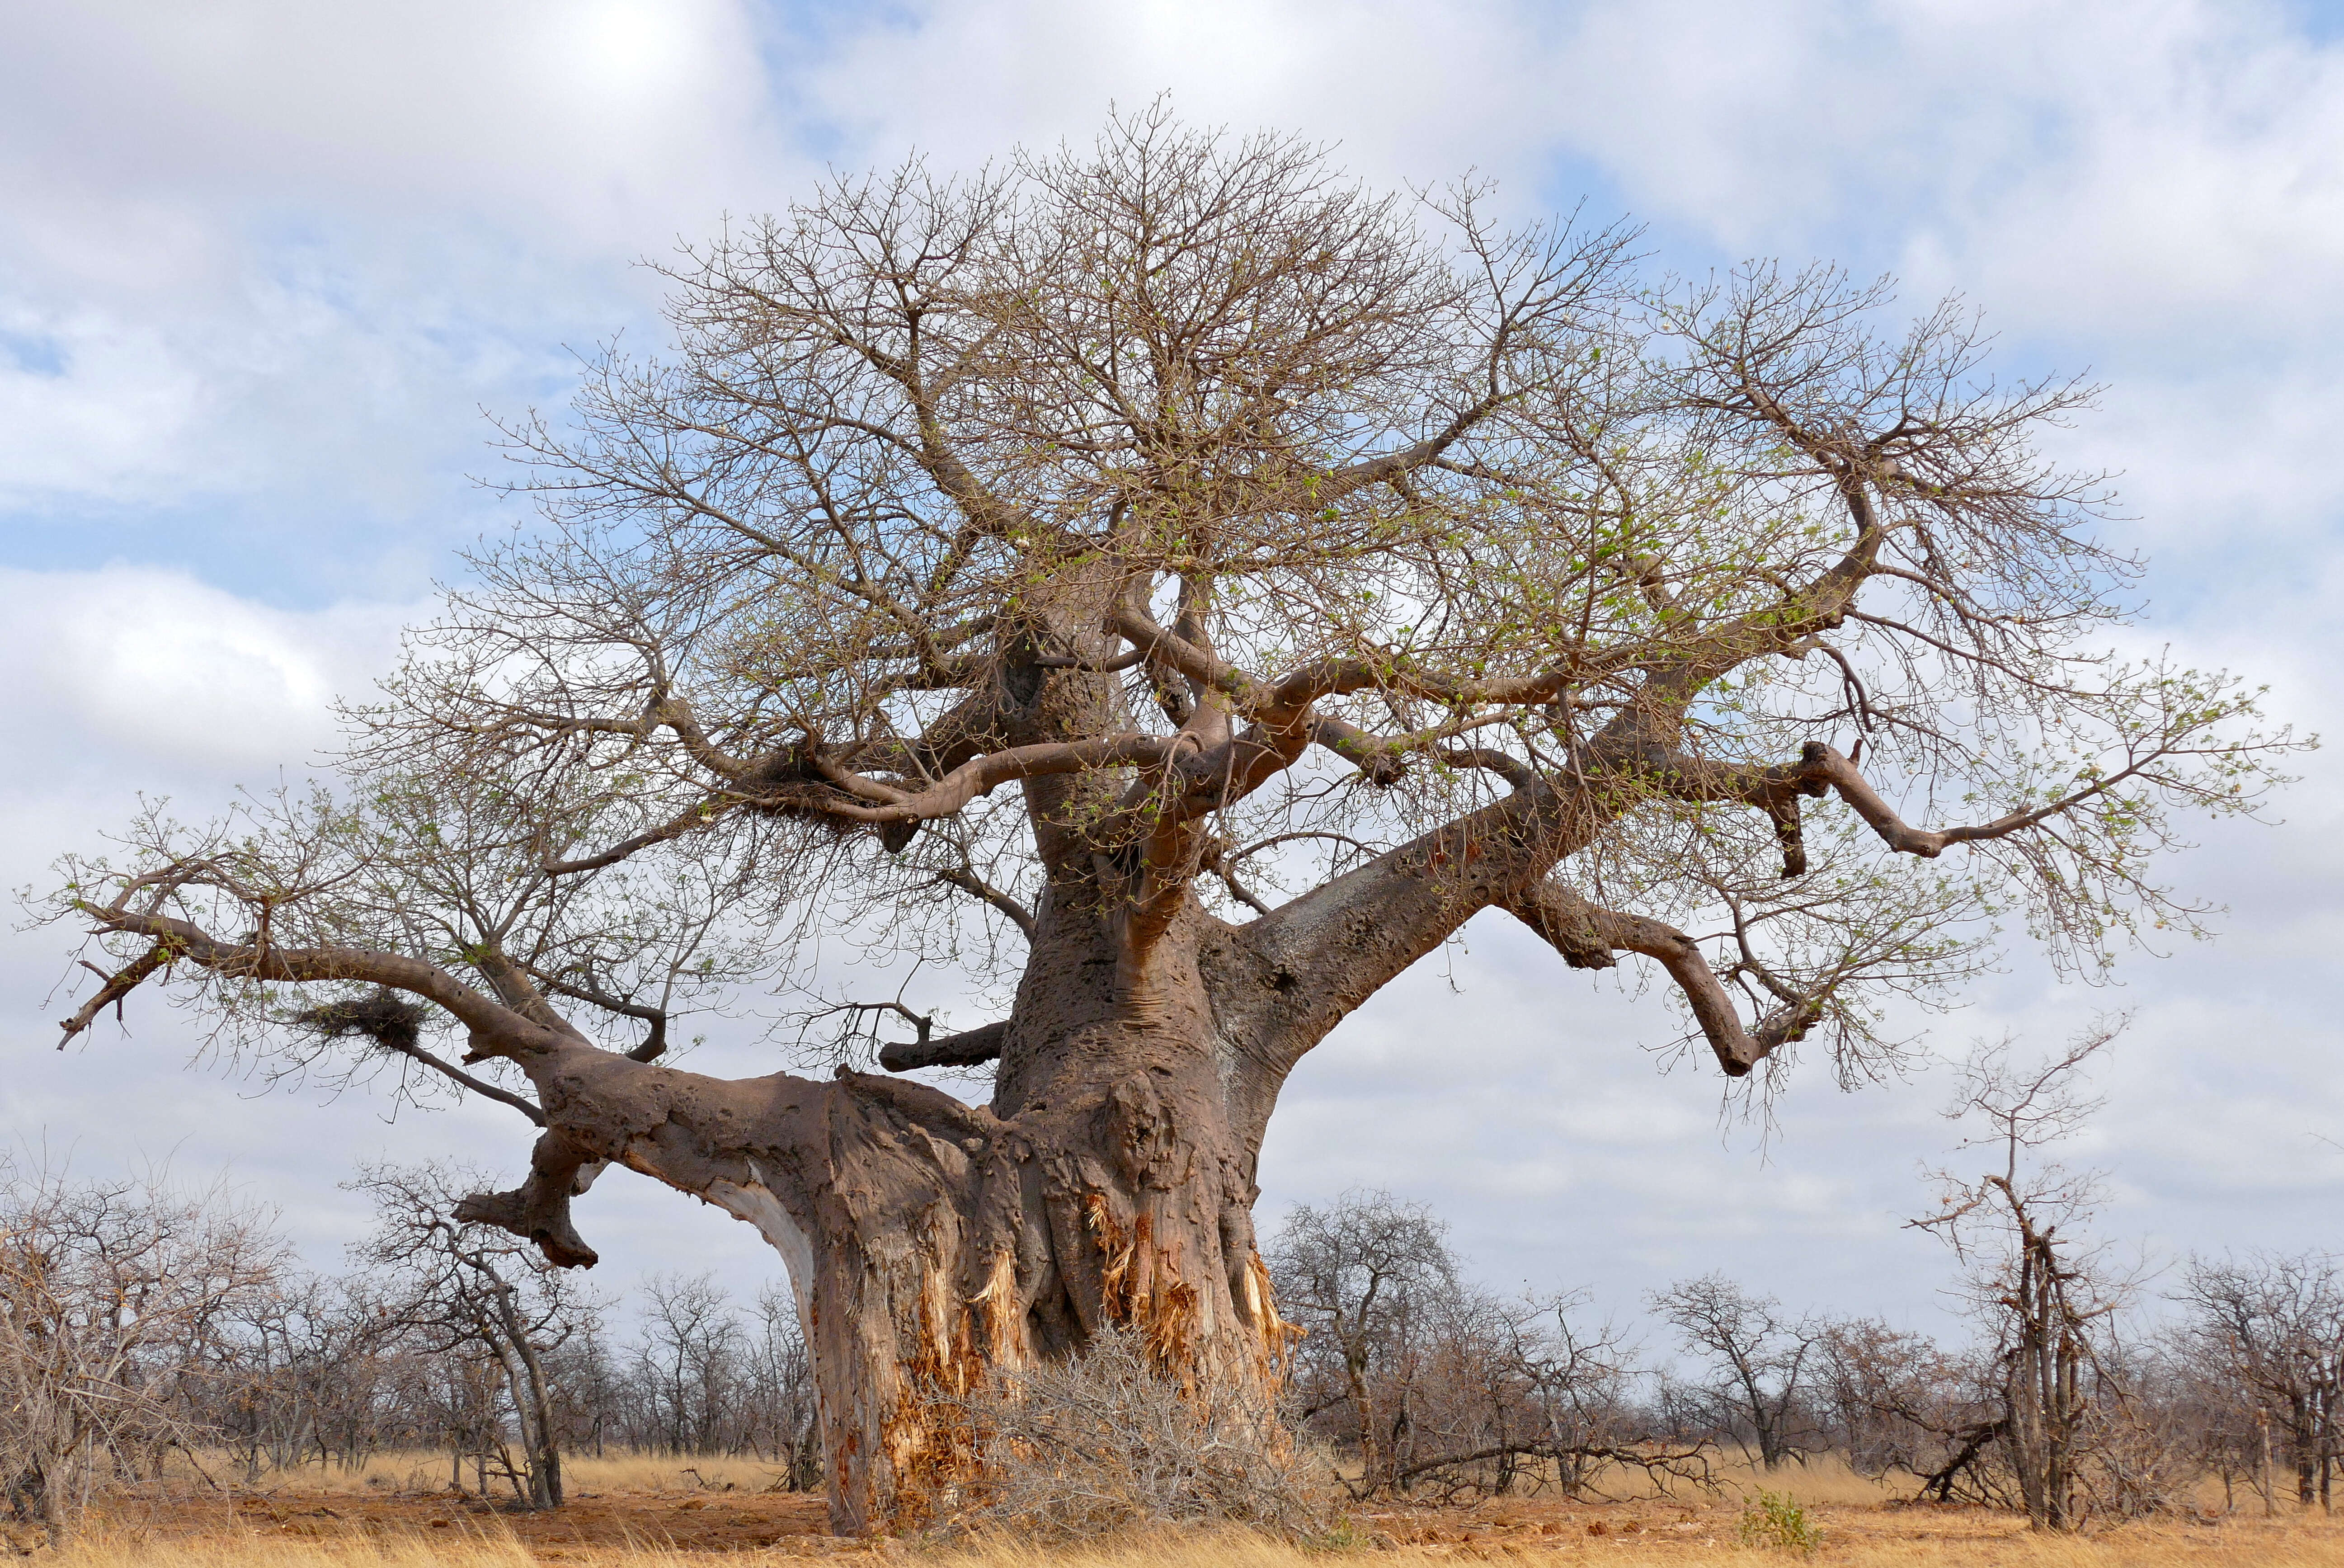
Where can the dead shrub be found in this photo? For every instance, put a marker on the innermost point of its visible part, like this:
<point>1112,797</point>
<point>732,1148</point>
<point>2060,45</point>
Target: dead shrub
<point>1104,1441</point>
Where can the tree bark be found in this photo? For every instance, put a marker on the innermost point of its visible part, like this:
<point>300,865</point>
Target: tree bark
<point>1110,1181</point>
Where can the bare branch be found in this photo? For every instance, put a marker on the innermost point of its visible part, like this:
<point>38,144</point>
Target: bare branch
<point>970,883</point>
<point>117,987</point>
<point>1586,934</point>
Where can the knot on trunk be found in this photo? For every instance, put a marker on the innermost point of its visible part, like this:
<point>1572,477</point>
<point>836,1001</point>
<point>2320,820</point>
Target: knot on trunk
<point>1574,931</point>
<point>1140,1135</point>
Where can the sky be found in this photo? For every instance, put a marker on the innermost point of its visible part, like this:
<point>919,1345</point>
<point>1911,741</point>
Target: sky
<point>268,269</point>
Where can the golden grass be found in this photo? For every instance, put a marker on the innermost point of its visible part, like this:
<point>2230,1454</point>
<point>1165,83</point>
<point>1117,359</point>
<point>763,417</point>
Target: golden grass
<point>242,1550</point>
<point>646,1506</point>
<point>2253,1544</point>
<point>428,1471</point>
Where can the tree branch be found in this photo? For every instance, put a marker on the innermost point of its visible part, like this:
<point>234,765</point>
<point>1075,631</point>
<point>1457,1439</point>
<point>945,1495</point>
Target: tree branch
<point>654,1044</point>
<point>398,1026</point>
<point>496,1030</point>
<point>539,1209</point>
<point>675,827</point>
<point>852,797</point>
<point>1287,701</point>
<point>1819,764</point>
<point>969,1048</point>
<point>1585,935</point>
<point>117,985</point>
<point>970,883</point>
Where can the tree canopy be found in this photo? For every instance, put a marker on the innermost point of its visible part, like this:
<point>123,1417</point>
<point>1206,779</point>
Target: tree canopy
<point>1376,513</point>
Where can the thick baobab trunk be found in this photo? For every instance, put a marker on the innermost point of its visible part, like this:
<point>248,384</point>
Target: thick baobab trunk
<point>1110,1182</point>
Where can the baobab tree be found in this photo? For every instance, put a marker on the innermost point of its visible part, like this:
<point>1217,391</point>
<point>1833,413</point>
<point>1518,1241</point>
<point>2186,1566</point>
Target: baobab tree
<point>1181,587</point>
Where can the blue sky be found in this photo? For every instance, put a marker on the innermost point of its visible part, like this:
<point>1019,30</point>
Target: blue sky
<point>263,266</point>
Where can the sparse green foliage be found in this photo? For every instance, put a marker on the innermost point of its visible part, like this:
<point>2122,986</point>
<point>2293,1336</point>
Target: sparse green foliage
<point>1776,1522</point>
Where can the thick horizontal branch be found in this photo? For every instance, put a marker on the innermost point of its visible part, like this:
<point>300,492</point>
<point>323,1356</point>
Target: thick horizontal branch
<point>1382,766</point>
<point>972,1048</point>
<point>1819,766</point>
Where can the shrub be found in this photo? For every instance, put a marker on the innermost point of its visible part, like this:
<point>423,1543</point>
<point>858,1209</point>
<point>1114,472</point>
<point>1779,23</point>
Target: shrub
<point>1104,1441</point>
<point>1774,1521</point>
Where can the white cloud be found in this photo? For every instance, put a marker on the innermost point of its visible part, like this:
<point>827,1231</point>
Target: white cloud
<point>260,248</point>
<point>1410,91</point>
<point>595,116</point>
<point>2105,168</point>
<point>2188,185</point>
<point>164,674</point>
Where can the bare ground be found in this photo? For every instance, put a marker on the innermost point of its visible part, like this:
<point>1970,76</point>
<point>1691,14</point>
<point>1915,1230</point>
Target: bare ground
<point>646,1513</point>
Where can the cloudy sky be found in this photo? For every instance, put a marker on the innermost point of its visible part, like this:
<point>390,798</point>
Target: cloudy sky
<point>264,265</point>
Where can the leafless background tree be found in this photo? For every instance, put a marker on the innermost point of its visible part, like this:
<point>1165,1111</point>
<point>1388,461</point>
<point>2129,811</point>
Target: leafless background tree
<point>229,1352</point>
<point>489,1314</point>
<point>2269,1328</point>
<point>1423,1383</point>
<point>2073,1435</point>
<point>1760,1361</point>
<point>1178,588</point>
<point>705,1381</point>
<point>1895,1402</point>
<point>114,1298</point>
<point>1370,1281</point>
<point>306,1374</point>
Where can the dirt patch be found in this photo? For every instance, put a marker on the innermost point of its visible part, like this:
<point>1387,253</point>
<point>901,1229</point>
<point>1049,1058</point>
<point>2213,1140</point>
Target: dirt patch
<point>596,1521</point>
<point>600,1525</point>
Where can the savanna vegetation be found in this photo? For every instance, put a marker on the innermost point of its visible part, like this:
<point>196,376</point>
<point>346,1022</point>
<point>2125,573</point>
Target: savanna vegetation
<point>1171,587</point>
<point>161,1345</point>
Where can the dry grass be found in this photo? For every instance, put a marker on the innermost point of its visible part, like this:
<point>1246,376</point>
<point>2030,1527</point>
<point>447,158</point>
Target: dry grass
<point>646,1513</point>
<point>252,1551</point>
<point>1824,1481</point>
<point>1970,1542</point>
<point>427,1472</point>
